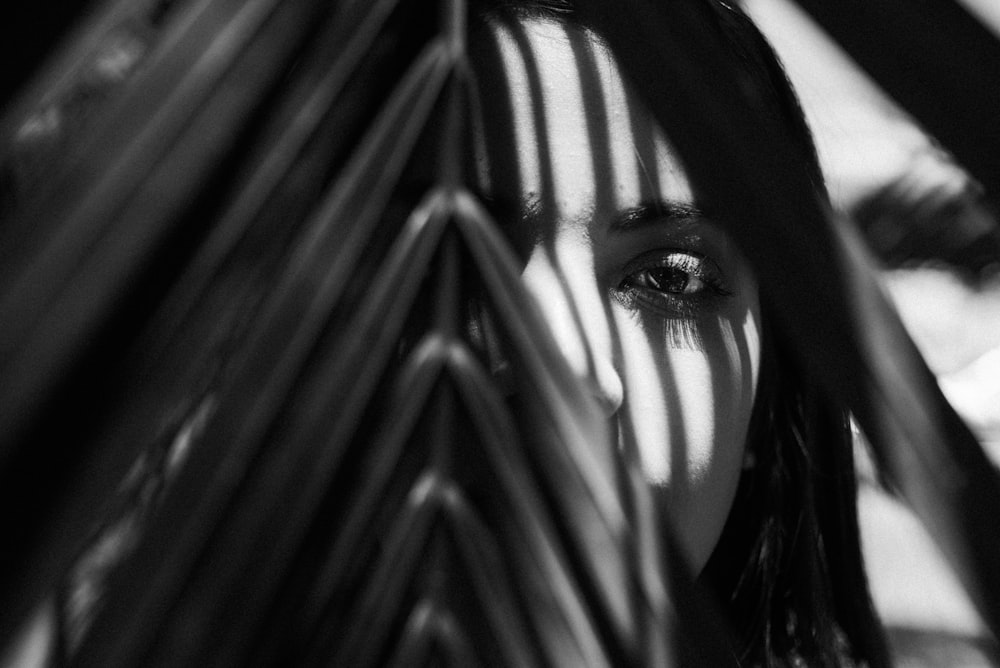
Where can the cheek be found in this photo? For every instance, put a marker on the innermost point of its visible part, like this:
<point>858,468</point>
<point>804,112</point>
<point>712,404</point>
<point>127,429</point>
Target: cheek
<point>685,416</point>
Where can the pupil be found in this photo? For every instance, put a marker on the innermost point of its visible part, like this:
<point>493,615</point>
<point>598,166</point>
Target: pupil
<point>669,279</point>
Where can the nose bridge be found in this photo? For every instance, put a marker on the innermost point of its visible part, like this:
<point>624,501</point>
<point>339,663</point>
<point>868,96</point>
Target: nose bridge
<point>571,301</point>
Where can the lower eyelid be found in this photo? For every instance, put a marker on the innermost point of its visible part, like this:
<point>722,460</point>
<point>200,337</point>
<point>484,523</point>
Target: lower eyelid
<point>682,306</point>
<point>676,319</point>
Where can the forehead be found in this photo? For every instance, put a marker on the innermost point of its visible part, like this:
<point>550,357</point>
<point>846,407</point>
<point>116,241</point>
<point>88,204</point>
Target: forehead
<point>584,145</point>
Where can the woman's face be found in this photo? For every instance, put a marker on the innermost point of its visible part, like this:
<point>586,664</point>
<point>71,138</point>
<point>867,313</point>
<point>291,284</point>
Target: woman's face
<point>645,296</point>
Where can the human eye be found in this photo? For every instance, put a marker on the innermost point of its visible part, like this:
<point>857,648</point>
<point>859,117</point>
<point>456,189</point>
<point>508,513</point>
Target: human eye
<point>672,279</point>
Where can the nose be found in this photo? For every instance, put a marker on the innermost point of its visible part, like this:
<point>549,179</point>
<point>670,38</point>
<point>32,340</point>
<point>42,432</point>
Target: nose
<point>577,313</point>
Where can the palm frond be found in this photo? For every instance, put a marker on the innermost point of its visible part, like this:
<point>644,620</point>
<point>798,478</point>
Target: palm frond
<point>80,254</point>
<point>937,61</point>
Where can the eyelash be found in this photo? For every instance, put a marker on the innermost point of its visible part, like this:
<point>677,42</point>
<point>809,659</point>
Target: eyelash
<point>643,287</point>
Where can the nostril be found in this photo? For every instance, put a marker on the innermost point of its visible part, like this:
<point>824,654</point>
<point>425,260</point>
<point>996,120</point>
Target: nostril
<point>607,386</point>
<point>609,405</point>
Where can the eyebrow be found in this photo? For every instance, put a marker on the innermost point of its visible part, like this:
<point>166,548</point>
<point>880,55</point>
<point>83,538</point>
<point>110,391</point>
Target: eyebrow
<point>501,209</point>
<point>645,214</point>
<point>654,212</point>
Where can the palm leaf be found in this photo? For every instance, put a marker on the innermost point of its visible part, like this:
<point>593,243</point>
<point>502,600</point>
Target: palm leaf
<point>934,59</point>
<point>79,256</point>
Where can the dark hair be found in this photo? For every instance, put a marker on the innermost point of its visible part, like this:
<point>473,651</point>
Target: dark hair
<point>788,568</point>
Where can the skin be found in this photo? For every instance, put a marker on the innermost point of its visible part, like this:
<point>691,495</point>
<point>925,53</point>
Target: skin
<point>647,298</point>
